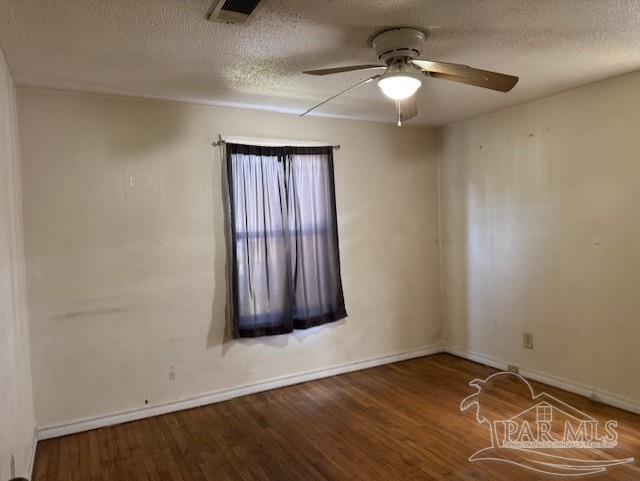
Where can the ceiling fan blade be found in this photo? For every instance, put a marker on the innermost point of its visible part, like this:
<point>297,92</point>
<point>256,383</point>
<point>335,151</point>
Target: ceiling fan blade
<point>407,109</point>
<point>350,68</point>
<point>467,75</point>
<point>365,81</point>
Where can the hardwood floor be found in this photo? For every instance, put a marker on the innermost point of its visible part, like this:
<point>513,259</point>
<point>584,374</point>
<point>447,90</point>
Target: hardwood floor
<point>396,422</point>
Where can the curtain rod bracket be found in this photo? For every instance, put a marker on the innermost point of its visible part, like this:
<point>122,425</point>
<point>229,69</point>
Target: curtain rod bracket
<point>221,141</point>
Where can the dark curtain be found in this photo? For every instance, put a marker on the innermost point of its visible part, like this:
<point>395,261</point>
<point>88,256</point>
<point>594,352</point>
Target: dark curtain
<point>283,239</point>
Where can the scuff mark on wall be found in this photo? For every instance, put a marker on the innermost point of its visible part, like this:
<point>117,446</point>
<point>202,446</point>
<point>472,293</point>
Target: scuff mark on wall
<point>99,311</point>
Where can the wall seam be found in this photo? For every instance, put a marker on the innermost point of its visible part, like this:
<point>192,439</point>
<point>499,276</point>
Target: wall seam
<point>442,307</point>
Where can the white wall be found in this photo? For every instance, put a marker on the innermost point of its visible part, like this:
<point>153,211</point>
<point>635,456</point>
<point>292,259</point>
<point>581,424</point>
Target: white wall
<point>16,404</point>
<point>541,206</point>
<point>126,286</point>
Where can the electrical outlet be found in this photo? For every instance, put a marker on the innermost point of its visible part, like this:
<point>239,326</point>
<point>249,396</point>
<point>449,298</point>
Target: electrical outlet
<point>512,368</point>
<point>527,340</point>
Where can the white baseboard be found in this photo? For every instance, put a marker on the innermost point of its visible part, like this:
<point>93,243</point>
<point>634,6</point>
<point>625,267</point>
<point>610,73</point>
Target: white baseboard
<point>594,393</point>
<point>48,432</point>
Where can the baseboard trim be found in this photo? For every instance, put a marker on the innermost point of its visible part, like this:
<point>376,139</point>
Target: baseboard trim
<point>88,424</point>
<point>591,392</point>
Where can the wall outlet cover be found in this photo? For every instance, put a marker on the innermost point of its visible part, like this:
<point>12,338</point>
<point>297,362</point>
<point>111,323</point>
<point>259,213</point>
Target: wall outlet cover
<point>512,368</point>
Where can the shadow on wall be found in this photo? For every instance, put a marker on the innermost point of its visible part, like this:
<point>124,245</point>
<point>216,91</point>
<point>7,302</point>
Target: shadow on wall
<point>220,332</point>
<point>455,248</point>
<point>145,126</point>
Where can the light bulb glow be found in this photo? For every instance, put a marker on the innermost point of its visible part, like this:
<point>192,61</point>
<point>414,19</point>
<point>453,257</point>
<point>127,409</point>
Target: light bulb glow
<point>399,86</point>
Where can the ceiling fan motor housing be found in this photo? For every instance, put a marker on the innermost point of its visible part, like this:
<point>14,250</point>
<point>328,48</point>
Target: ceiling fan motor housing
<point>398,42</point>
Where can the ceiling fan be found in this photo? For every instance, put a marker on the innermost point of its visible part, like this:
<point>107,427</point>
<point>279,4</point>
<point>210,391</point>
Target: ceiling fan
<point>398,48</point>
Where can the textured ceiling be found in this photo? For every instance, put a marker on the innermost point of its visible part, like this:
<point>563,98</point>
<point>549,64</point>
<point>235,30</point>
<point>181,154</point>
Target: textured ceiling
<point>166,49</point>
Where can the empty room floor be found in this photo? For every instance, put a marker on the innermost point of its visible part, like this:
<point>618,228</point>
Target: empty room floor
<point>401,421</point>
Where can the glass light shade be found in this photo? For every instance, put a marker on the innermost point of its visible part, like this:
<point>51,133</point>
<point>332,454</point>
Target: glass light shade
<point>399,86</point>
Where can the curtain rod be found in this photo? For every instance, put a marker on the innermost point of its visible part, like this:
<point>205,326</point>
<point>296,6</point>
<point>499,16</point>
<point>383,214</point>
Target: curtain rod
<point>281,142</point>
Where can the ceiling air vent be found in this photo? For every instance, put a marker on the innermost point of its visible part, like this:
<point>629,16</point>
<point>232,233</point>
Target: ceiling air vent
<point>232,11</point>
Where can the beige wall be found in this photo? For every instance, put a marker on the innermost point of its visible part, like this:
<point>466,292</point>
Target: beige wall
<point>126,285</point>
<point>16,404</point>
<point>539,209</point>
<point>541,206</point>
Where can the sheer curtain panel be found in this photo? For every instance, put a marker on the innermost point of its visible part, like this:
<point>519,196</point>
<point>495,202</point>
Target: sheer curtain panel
<point>283,239</point>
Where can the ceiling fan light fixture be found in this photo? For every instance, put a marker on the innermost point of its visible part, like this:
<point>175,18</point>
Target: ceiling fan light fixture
<point>399,85</point>
<point>398,50</point>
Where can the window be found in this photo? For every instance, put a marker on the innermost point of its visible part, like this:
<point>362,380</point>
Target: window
<point>283,239</point>
<point>544,414</point>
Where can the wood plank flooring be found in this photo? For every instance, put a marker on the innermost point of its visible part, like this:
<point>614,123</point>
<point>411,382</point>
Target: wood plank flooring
<point>396,422</point>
